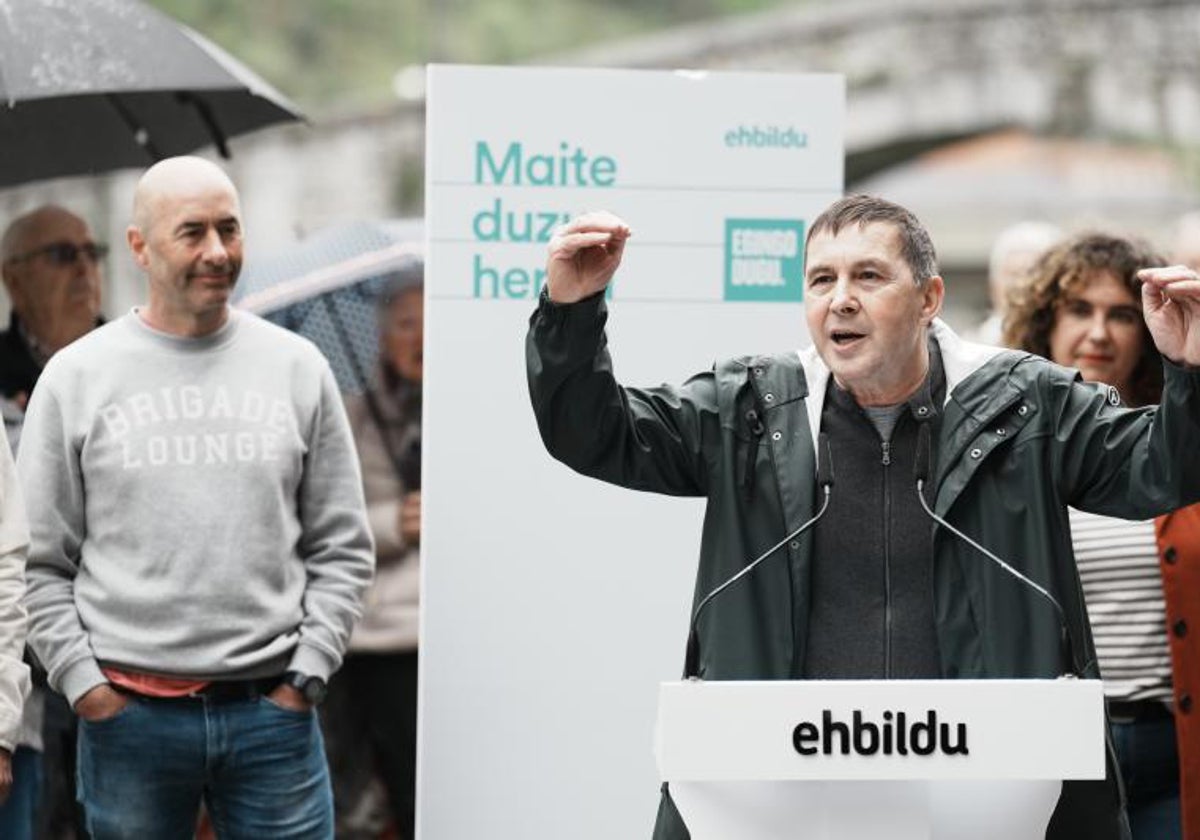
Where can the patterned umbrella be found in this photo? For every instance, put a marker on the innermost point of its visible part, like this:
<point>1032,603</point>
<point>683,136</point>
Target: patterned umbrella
<point>327,289</point>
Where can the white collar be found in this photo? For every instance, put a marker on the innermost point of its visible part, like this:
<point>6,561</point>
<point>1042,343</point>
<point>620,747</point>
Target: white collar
<point>960,358</point>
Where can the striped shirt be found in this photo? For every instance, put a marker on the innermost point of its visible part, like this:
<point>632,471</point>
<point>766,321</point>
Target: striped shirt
<point>1118,565</point>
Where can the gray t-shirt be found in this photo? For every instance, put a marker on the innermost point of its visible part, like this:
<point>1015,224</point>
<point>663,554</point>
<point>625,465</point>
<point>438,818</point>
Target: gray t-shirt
<point>884,418</point>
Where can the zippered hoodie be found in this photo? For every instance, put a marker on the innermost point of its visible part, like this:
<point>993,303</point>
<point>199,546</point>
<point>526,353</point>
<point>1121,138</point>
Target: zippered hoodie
<point>196,507</point>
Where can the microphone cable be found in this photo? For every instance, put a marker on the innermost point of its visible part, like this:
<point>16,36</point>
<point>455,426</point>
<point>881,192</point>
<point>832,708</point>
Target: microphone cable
<point>691,665</point>
<point>921,468</point>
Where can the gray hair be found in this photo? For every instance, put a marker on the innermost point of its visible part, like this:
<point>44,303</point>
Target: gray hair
<point>1023,236</point>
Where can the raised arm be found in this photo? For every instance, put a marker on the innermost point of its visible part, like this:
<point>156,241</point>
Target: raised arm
<point>584,256</point>
<point>646,439</point>
<point>1138,464</point>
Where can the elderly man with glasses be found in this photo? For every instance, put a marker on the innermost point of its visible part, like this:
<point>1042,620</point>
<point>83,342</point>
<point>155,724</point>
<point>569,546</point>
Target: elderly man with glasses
<point>50,264</point>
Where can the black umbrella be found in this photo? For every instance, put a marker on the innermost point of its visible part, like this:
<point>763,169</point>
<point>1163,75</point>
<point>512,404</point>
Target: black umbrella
<point>89,86</point>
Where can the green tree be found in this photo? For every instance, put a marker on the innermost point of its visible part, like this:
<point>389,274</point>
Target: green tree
<point>343,54</point>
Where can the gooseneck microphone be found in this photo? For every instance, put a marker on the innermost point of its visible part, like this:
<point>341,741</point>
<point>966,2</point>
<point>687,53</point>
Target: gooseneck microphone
<point>921,474</point>
<point>691,664</point>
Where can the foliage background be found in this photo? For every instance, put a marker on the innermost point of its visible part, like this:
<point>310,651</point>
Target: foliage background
<point>342,55</point>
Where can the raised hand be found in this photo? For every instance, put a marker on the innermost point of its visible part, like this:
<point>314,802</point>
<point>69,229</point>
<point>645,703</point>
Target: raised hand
<point>1171,304</point>
<point>584,255</point>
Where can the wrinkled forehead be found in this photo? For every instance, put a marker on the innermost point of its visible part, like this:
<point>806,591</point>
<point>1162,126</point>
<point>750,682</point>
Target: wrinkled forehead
<point>195,204</point>
<point>183,186</point>
<point>46,228</point>
<point>854,242</point>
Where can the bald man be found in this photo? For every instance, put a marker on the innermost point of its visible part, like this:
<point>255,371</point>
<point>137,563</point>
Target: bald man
<point>199,544</point>
<point>50,265</point>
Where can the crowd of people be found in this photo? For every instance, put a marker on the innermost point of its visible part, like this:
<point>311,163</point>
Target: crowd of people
<point>204,552</point>
<point>216,553</point>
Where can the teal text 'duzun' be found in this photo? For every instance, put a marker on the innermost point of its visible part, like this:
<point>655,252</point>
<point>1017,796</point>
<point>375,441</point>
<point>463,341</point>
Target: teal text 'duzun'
<point>568,166</point>
<point>496,223</point>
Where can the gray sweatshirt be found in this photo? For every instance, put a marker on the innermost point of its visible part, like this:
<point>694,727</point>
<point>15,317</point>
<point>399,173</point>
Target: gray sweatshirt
<point>195,507</point>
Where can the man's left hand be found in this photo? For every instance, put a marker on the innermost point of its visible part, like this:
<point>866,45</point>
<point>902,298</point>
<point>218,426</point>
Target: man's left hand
<point>1171,304</point>
<point>6,776</point>
<point>289,698</point>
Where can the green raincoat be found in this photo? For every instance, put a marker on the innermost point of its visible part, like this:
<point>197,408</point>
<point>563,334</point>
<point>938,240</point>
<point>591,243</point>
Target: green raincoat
<point>1020,440</point>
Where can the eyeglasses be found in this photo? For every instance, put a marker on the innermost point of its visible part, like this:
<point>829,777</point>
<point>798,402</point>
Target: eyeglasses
<point>64,253</point>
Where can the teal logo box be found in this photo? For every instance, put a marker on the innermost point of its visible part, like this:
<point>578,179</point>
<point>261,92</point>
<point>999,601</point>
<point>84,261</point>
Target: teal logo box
<point>764,259</point>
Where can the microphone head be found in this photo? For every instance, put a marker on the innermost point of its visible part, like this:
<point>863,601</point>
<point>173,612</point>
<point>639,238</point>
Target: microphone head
<point>691,660</point>
<point>824,461</point>
<point>1066,654</point>
<point>924,450</point>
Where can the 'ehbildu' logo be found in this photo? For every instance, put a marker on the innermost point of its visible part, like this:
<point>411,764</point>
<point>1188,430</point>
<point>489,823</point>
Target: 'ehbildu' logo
<point>894,735</point>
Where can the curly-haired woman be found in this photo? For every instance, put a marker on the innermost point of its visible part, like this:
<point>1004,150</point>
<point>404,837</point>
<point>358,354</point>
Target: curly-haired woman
<point>1081,307</point>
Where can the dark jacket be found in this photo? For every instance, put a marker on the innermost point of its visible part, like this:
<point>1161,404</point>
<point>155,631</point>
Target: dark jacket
<point>19,371</point>
<point>1020,439</point>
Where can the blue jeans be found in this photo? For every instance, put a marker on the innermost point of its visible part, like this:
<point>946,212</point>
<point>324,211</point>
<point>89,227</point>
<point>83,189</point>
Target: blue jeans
<point>18,814</point>
<point>1149,761</point>
<point>260,770</point>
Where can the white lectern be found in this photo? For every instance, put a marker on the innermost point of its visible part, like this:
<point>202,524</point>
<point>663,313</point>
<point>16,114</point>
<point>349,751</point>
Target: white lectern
<point>869,759</point>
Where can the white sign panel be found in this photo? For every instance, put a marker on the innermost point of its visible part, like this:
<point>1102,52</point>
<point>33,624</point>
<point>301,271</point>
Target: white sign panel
<point>554,605</point>
<point>873,729</point>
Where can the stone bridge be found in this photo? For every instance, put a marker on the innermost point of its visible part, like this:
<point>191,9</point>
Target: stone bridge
<point>922,72</point>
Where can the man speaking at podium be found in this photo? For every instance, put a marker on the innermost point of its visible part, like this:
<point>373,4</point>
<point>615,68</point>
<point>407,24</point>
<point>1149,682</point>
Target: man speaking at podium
<point>998,443</point>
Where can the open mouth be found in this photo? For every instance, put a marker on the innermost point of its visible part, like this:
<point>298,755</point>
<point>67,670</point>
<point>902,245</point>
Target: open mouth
<point>844,338</point>
<point>211,281</point>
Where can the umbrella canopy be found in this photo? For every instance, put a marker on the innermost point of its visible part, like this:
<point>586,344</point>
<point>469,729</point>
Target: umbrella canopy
<point>327,289</point>
<point>89,86</point>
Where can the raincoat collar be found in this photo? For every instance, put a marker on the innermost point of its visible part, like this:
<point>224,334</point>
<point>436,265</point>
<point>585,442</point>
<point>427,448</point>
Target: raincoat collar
<point>960,359</point>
